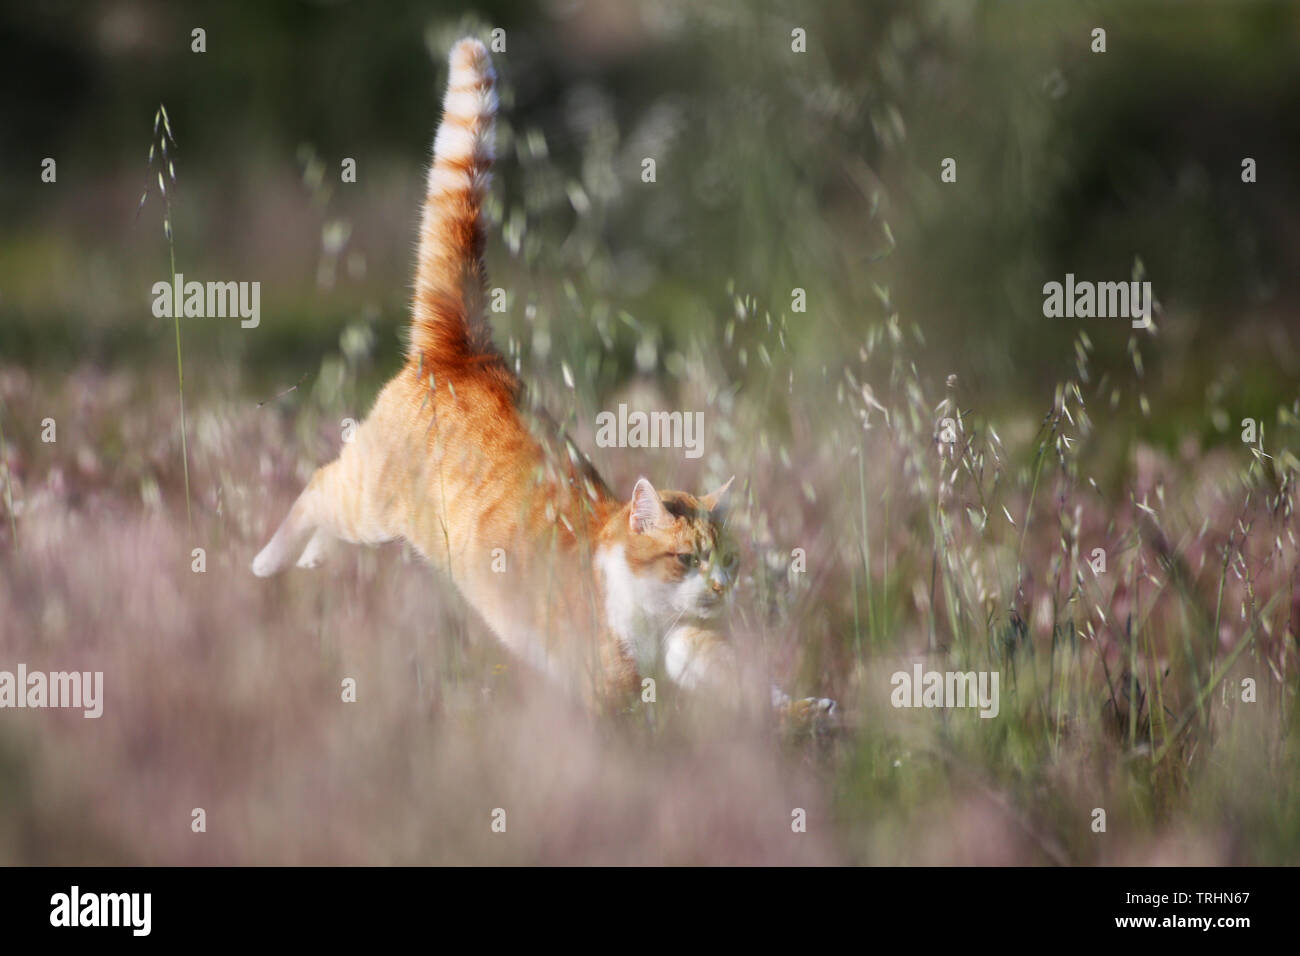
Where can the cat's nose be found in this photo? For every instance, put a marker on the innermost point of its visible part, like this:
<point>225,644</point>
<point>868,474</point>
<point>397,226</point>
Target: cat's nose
<point>716,585</point>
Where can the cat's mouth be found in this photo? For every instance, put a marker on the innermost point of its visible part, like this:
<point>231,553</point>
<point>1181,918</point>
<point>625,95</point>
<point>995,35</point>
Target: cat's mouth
<point>710,604</point>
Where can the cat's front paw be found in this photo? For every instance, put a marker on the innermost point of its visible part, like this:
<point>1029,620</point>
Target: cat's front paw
<point>809,715</point>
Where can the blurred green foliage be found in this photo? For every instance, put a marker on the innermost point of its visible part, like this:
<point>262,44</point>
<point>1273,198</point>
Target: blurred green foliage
<point>775,170</point>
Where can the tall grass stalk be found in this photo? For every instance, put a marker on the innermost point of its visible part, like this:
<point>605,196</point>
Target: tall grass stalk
<point>866,559</point>
<point>180,381</point>
<point>159,143</point>
<point>9,493</point>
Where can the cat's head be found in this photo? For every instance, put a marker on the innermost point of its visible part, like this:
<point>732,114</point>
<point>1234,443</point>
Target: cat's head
<point>676,563</point>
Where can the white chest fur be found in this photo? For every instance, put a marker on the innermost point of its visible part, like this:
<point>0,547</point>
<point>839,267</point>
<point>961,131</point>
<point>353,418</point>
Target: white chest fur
<point>639,610</point>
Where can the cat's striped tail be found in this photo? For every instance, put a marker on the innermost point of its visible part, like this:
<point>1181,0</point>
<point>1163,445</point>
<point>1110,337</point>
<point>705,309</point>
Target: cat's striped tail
<point>448,326</point>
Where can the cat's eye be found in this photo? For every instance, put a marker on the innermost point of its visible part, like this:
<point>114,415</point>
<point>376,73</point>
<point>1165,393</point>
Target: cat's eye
<point>689,559</point>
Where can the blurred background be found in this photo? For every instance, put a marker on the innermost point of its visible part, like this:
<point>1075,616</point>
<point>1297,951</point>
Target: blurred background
<point>775,170</point>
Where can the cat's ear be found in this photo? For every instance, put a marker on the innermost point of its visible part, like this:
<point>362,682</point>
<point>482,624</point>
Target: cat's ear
<point>647,510</point>
<point>718,499</point>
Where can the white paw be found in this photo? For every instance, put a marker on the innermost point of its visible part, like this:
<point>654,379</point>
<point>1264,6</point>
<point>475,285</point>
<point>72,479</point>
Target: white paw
<point>811,706</point>
<point>781,699</point>
<point>810,713</point>
<point>264,563</point>
<point>317,549</point>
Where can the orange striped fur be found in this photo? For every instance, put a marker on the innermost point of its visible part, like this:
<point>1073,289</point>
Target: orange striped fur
<point>591,589</point>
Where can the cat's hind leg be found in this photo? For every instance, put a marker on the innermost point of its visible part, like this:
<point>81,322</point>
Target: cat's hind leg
<point>340,502</point>
<point>306,531</point>
<point>317,549</point>
<point>291,537</point>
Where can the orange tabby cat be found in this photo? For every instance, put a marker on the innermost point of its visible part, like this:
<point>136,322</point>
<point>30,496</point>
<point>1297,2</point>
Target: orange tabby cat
<point>592,590</point>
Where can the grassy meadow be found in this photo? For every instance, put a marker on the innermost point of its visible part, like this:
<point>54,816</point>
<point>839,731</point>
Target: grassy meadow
<point>929,470</point>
